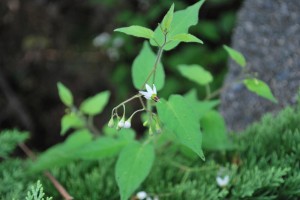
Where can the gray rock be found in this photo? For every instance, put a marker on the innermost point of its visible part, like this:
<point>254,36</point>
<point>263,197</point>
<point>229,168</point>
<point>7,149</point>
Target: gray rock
<point>268,34</point>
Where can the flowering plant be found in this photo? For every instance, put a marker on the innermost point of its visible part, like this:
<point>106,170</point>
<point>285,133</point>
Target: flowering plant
<point>175,120</point>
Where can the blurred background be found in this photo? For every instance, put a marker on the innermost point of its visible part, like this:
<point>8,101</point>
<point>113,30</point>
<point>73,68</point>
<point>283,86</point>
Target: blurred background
<point>46,41</point>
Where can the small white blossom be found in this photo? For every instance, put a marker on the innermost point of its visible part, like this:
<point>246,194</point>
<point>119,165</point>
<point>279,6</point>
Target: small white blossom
<point>141,195</point>
<point>101,39</point>
<point>150,93</point>
<point>127,124</point>
<point>222,182</point>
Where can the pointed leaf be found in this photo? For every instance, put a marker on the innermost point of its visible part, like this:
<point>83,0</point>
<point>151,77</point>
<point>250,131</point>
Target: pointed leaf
<point>167,20</point>
<point>196,73</point>
<point>185,37</point>
<point>200,107</point>
<point>137,31</point>
<point>214,132</point>
<point>260,88</point>
<point>94,105</point>
<point>133,166</point>
<point>182,21</point>
<point>62,154</point>
<point>65,94</point>
<point>235,55</point>
<point>177,115</point>
<point>70,121</point>
<point>143,65</point>
<point>103,147</point>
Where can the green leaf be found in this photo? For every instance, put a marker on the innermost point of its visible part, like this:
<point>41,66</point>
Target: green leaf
<point>62,154</point>
<point>133,166</point>
<point>178,116</point>
<point>70,121</point>
<point>260,88</point>
<point>214,132</point>
<point>196,73</point>
<point>185,37</point>
<point>182,21</point>
<point>236,56</point>
<point>103,147</point>
<point>65,94</point>
<point>200,107</point>
<point>137,31</point>
<point>167,20</point>
<point>143,65</point>
<point>95,104</point>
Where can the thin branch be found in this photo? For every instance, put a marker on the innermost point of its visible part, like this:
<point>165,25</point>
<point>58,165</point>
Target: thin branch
<point>63,192</point>
<point>58,186</point>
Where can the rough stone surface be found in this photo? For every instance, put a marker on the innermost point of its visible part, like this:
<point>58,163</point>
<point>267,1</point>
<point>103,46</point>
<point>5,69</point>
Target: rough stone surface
<point>268,34</point>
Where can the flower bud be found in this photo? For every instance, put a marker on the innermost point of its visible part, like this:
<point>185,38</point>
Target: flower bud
<point>150,131</point>
<point>121,123</point>
<point>157,128</point>
<point>145,123</point>
<point>127,124</point>
<point>111,122</point>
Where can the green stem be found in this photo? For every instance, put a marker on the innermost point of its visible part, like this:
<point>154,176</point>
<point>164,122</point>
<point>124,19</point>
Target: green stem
<point>244,73</point>
<point>91,126</point>
<point>153,71</point>
<point>140,110</point>
<point>88,120</point>
<point>207,89</point>
<point>122,103</point>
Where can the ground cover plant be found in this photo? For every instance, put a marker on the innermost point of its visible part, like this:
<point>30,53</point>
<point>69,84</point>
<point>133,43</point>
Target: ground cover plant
<point>183,151</point>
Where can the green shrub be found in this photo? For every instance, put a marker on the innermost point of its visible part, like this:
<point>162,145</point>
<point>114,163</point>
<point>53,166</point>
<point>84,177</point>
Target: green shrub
<point>264,165</point>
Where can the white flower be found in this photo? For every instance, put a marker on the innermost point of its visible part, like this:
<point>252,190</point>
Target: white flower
<point>101,39</point>
<point>141,195</point>
<point>150,94</point>
<point>127,124</point>
<point>222,182</point>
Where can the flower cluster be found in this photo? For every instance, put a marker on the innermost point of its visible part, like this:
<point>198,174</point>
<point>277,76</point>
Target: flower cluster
<point>149,94</point>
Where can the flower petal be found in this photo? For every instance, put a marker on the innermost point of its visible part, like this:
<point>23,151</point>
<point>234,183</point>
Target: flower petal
<point>154,89</point>
<point>149,89</point>
<point>145,94</point>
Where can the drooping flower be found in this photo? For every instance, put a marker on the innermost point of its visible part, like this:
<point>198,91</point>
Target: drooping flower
<point>150,93</point>
<point>222,182</point>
